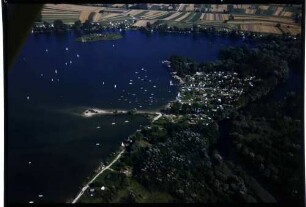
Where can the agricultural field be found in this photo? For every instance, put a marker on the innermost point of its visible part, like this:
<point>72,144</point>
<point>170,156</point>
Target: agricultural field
<point>143,23</point>
<point>189,8</point>
<point>260,28</point>
<point>275,19</point>
<point>68,13</point>
<point>219,8</point>
<point>213,17</point>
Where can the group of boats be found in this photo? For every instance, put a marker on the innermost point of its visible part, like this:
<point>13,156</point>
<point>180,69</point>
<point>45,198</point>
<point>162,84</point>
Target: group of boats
<point>145,85</point>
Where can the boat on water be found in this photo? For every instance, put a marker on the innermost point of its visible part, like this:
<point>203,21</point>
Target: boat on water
<point>78,55</point>
<point>171,84</point>
<point>167,63</point>
<point>115,86</point>
<point>67,49</point>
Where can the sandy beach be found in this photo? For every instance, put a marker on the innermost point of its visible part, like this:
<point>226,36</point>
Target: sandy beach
<point>94,111</point>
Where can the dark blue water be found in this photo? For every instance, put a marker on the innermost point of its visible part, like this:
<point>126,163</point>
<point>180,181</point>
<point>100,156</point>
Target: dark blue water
<point>60,145</point>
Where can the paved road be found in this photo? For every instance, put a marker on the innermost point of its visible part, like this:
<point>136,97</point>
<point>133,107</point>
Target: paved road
<point>94,178</point>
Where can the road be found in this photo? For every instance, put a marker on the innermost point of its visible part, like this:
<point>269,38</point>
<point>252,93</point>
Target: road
<point>94,178</point>
<point>157,117</point>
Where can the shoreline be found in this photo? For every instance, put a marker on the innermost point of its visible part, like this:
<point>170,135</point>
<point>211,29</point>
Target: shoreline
<point>90,112</point>
<point>96,175</point>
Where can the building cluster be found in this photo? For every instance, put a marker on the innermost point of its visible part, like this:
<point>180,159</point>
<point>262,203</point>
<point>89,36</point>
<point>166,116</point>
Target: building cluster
<point>204,96</point>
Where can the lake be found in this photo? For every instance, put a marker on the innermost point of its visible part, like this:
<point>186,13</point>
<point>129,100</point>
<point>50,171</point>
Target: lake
<point>52,149</point>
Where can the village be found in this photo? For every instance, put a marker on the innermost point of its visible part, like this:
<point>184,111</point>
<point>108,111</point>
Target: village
<point>204,96</point>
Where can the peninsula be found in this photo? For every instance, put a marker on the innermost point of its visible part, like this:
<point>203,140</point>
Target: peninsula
<point>179,157</point>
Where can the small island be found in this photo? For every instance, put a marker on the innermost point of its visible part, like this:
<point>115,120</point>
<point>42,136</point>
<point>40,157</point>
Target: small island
<point>97,37</point>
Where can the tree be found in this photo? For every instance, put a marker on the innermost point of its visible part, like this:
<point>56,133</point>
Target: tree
<point>149,25</point>
<point>132,112</point>
<point>77,25</point>
<point>91,16</point>
<point>195,28</point>
<point>175,107</point>
<point>59,25</point>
